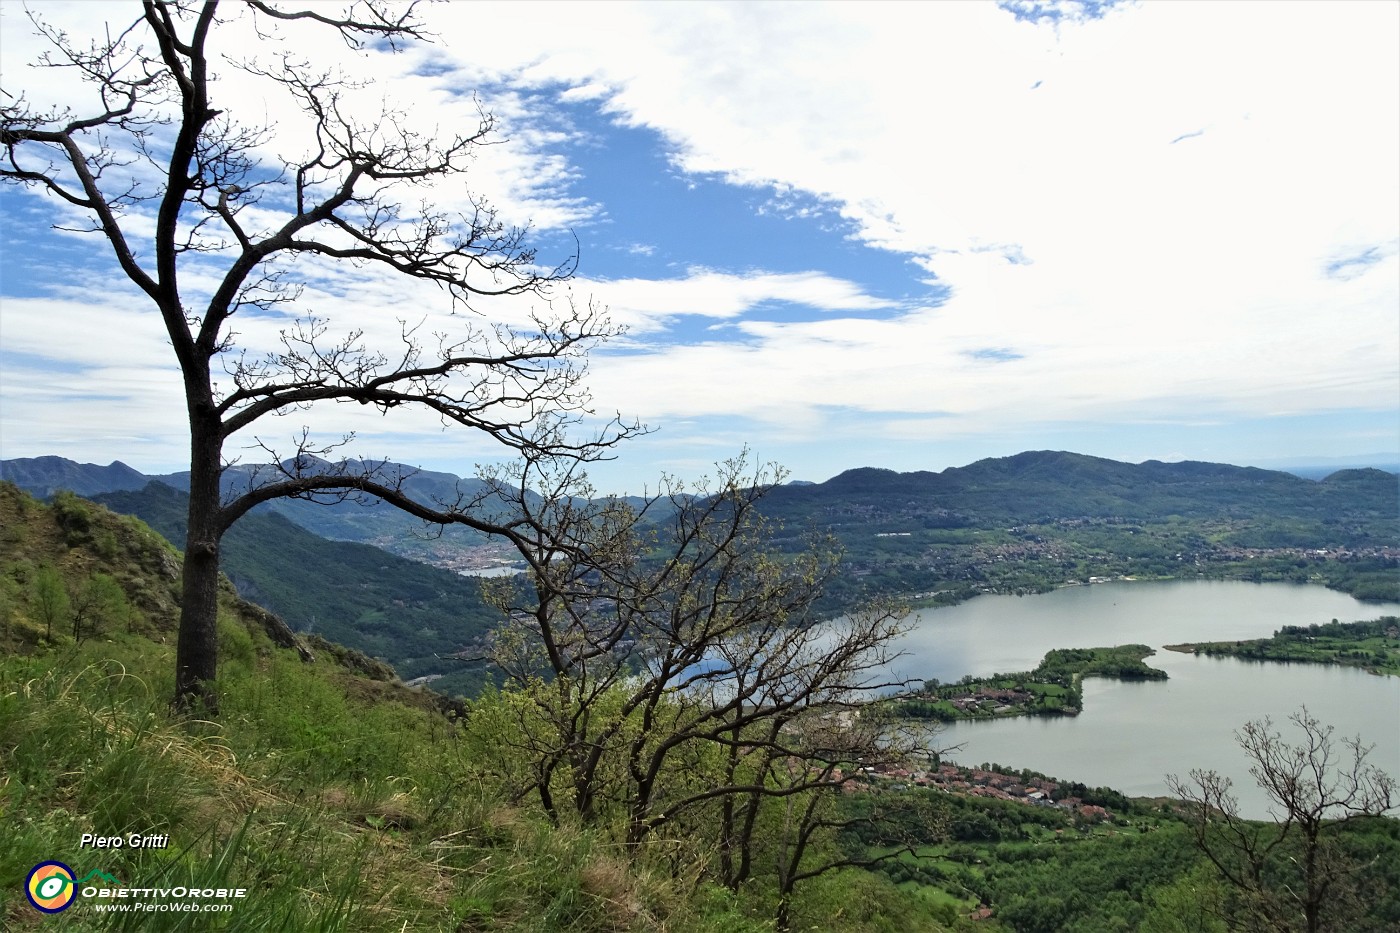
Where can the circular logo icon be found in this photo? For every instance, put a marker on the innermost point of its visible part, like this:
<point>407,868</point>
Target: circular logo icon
<point>50,887</point>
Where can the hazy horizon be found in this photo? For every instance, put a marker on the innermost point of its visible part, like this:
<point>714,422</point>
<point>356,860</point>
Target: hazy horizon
<point>1314,468</point>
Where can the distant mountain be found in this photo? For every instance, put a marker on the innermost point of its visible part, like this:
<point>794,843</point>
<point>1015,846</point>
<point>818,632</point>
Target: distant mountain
<point>368,521</point>
<point>1247,505</point>
<point>1048,486</point>
<point>1042,519</point>
<point>365,520</point>
<point>1012,524</point>
<point>1322,467</point>
<point>44,476</point>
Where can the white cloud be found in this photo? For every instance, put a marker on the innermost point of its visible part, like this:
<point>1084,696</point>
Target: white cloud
<point>649,305</point>
<point>1174,211</point>
<point>421,89</point>
<point>1145,206</point>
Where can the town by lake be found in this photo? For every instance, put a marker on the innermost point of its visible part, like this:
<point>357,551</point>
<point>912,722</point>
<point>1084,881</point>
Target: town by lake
<point>1130,735</point>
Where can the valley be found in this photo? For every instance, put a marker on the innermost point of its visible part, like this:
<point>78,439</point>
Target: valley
<point>979,831</point>
<point>1022,524</point>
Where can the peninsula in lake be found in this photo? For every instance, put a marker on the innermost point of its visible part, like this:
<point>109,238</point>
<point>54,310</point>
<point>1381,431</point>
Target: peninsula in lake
<point>1373,646</point>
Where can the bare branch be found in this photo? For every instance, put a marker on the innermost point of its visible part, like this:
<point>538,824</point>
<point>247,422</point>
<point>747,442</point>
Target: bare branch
<point>361,21</point>
<point>1289,872</point>
<point>153,140</point>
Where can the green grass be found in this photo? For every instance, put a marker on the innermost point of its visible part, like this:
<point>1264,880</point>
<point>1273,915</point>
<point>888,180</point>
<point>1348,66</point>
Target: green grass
<point>334,812</point>
<point>337,798</point>
<point>338,803</point>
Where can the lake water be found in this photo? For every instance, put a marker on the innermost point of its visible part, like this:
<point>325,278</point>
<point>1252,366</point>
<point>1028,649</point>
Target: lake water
<point>1130,735</point>
<point>503,571</point>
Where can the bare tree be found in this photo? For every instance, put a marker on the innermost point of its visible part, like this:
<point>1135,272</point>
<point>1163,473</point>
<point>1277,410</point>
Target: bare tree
<point>177,185</point>
<point>671,662</point>
<point>1289,874</point>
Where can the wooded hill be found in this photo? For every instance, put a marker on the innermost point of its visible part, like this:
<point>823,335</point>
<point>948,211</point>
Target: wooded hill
<point>1024,523</point>
<point>338,800</point>
<point>408,613</point>
<point>1041,519</point>
<point>1350,507</point>
<point>368,522</point>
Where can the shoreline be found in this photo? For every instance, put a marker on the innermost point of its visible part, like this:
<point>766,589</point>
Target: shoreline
<point>1372,645</point>
<point>1053,688</point>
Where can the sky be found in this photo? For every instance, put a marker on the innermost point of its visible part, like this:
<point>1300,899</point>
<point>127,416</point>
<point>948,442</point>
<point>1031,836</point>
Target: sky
<point>906,235</point>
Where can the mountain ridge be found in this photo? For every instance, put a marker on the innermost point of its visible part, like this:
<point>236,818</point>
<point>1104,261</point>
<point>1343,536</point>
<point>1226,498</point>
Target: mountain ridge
<point>1050,485</point>
<point>37,474</point>
<point>1029,486</point>
<point>1188,510</point>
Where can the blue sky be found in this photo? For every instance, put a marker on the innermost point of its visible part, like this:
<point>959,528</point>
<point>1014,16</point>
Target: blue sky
<point>902,235</point>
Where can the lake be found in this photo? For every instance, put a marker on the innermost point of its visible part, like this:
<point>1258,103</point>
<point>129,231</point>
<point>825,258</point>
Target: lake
<point>1130,735</point>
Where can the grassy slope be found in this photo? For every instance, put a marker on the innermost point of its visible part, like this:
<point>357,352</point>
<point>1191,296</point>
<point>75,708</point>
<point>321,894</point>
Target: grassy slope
<point>339,801</point>
<point>346,803</point>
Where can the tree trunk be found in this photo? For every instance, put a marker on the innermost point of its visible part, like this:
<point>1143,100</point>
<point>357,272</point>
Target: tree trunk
<point>726,842</point>
<point>782,919</point>
<point>197,648</point>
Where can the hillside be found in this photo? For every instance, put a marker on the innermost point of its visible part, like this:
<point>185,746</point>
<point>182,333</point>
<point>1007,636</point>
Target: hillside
<point>332,798</point>
<point>44,476</point>
<point>368,522</point>
<point>1046,486</point>
<point>1349,507</point>
<point>320,765</point>
<point>1042,519</point>
<point>329,798</point>
<point>389,607</point>
<point>1014,524</point>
